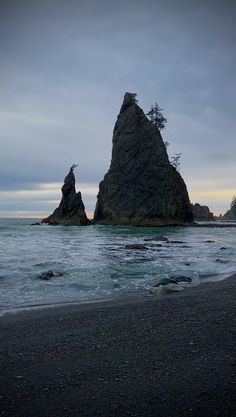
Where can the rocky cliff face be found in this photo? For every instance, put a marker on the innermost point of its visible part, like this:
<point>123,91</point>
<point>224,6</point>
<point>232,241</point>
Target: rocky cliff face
<point>230,214</point>
<point>202,213</point>
<point>71,208</point>
<point>141,187</point>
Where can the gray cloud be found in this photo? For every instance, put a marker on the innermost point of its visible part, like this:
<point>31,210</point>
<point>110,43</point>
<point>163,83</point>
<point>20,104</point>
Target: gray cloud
<point>65,66</point>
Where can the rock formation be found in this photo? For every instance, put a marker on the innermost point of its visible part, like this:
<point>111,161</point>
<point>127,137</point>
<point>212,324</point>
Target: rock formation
<point>202,213</point>
<point>71,208</point>
<point>141,187</point>
<point>231,213</point>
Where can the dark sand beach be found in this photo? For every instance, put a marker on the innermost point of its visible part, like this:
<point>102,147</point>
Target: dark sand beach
<point>169,356</point>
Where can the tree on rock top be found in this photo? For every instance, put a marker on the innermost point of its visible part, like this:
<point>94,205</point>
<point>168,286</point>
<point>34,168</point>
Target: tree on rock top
<point>156,117</point>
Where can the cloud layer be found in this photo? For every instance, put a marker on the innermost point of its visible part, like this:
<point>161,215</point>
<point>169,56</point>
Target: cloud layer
<point>65,66</point>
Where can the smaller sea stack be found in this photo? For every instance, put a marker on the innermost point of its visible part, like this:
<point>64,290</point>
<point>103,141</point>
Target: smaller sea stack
<point>202,213</point>
<point>71,210</point>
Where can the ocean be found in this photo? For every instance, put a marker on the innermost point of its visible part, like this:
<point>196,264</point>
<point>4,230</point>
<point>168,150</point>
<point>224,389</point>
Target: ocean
<point>94,262</point>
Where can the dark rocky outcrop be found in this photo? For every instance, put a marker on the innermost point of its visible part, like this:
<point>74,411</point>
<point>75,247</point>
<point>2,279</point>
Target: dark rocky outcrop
<point>71,208</point>
<point>202,213</point>
<point>230,214</point>
<point>48,275</point>
<point>141,187</point>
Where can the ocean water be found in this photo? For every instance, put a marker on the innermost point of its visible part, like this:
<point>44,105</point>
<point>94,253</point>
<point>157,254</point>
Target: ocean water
<point>93,262</point>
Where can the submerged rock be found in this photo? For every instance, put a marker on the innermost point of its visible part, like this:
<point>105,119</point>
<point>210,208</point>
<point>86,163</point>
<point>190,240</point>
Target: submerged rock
<point>202,213</point>
<point>141,187</point>
<point>222,261</point>
<point>46,276</point>
<point>177,242</point>
<point>156,238</point>
<point>71,208</point>
<point>138,246</point>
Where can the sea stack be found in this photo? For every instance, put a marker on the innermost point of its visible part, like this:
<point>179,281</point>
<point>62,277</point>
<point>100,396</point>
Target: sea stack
<point>231,213</point>
<point>71,208</point>
<point>202,213</point>
<point>141,187</point>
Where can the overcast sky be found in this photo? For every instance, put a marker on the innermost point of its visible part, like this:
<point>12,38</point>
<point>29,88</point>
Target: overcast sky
<point>65,66</point>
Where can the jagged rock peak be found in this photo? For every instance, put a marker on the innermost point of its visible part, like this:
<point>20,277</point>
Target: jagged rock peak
<point>71,210</point>
<point>231,213</point>
<point>129,100</point>
<point>68,187</point>
<point>141,187</point>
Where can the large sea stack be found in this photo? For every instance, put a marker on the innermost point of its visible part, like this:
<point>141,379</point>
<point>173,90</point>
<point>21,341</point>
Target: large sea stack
<point>141,187</point>
<point>71,208</point>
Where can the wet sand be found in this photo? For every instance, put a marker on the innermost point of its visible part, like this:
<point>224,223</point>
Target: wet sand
<point>146,356</point>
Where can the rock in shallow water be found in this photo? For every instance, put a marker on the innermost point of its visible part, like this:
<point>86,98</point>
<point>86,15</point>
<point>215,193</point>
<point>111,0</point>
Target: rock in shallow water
<point>166,289</point>
<point>46,276</point>
<point>173,280</point>
<point>170,285</point>
<point>156,238</point>
<point>138,246</point>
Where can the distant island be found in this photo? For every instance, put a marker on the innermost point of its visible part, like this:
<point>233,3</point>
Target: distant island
<point>202,213</point>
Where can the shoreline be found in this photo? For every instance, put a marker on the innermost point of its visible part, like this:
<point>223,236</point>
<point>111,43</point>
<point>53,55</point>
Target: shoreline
<point>135,296</point>
<point>172,355</point>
